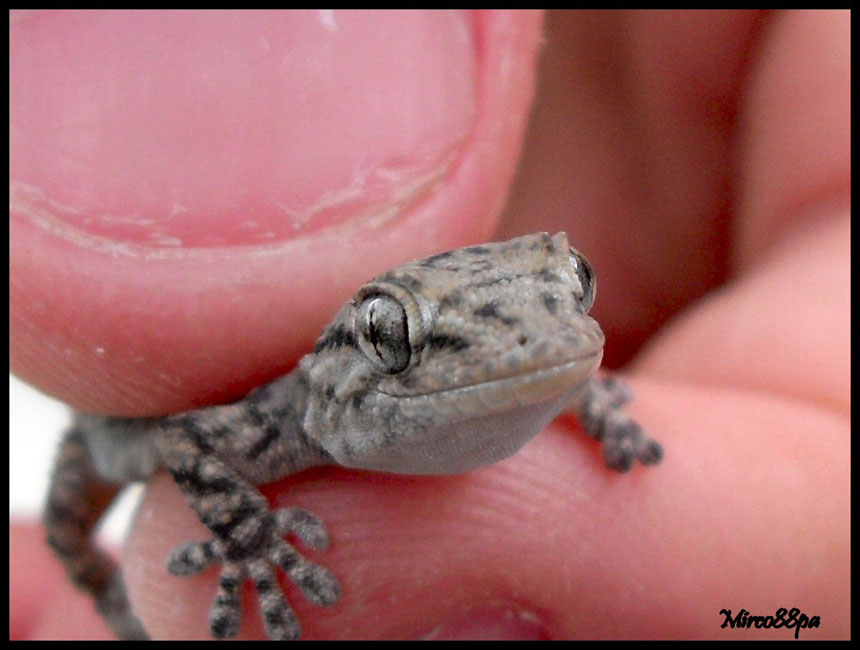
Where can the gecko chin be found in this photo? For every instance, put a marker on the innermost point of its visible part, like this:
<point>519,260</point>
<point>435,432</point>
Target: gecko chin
<point>460,429</point>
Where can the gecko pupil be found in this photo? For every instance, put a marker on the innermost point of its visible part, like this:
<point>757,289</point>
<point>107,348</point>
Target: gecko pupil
<point>374,330</point>
<point>587,281</point>
<point>384,333</point>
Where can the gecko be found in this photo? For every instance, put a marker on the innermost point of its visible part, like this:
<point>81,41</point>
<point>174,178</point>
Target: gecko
<point>440,366</point>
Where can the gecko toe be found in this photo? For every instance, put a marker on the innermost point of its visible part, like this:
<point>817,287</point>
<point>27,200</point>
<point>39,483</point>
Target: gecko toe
<point>303,525</point>
<point>618,458</point>
<point>281,622</point>
<point>192,557</point>
<point>651,453</point>
<point>317,583</point>
<point>225,615</point>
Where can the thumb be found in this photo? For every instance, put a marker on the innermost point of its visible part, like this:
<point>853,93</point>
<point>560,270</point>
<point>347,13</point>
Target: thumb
<point>193,194</point>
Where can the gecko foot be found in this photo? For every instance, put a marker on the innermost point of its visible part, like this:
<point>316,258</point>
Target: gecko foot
<point>258,562</point>
<point>625,441</point>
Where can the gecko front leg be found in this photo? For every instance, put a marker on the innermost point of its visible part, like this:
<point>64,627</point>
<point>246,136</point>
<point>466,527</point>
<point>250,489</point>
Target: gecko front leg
<point>624,440</point>
<point>206,453</point>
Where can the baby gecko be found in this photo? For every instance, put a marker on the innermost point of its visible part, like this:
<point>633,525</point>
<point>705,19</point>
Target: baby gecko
<point>439,366</point>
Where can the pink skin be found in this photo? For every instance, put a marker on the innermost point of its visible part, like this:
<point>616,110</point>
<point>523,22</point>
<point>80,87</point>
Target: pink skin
<point>681,119</point>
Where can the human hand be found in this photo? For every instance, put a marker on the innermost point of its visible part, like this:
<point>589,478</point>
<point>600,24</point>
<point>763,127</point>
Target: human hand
<point>709,179</point>
<point>546,543</point>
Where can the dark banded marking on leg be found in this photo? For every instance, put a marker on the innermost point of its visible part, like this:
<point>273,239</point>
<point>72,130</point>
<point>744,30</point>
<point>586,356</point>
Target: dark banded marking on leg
<point>77,498</point>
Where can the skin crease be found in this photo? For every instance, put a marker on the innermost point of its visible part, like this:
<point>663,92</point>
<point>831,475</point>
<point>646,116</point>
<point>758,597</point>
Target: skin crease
<point>728,137</point>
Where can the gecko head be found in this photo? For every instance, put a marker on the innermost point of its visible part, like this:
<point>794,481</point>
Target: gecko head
<point>455,361</point>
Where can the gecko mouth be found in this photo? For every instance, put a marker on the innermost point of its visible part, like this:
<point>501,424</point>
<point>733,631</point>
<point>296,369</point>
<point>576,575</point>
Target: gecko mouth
<point>498,395</point>
<point>458,429</point>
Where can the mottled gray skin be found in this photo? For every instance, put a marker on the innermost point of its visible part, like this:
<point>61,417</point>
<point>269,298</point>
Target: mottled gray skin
<point>440,366</point>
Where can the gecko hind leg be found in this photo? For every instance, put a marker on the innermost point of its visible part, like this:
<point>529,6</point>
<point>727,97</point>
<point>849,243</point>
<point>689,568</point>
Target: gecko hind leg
<point>77,498</point>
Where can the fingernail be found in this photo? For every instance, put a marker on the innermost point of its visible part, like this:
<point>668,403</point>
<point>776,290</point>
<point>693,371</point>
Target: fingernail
<point>493,623</point>
<point>186,129</point>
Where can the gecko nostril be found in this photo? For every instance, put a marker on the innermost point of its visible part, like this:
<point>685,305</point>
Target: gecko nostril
<point>523,340</point>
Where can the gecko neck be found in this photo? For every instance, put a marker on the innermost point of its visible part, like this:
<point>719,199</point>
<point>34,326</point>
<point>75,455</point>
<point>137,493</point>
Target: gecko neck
<point>284,401</point>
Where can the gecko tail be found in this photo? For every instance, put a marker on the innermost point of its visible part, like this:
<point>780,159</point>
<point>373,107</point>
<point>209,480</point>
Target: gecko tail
<point>77,499</point>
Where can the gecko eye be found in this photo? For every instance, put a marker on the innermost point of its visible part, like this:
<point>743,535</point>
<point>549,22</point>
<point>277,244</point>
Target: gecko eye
<point>383,333</point>
<point>586,278</point>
